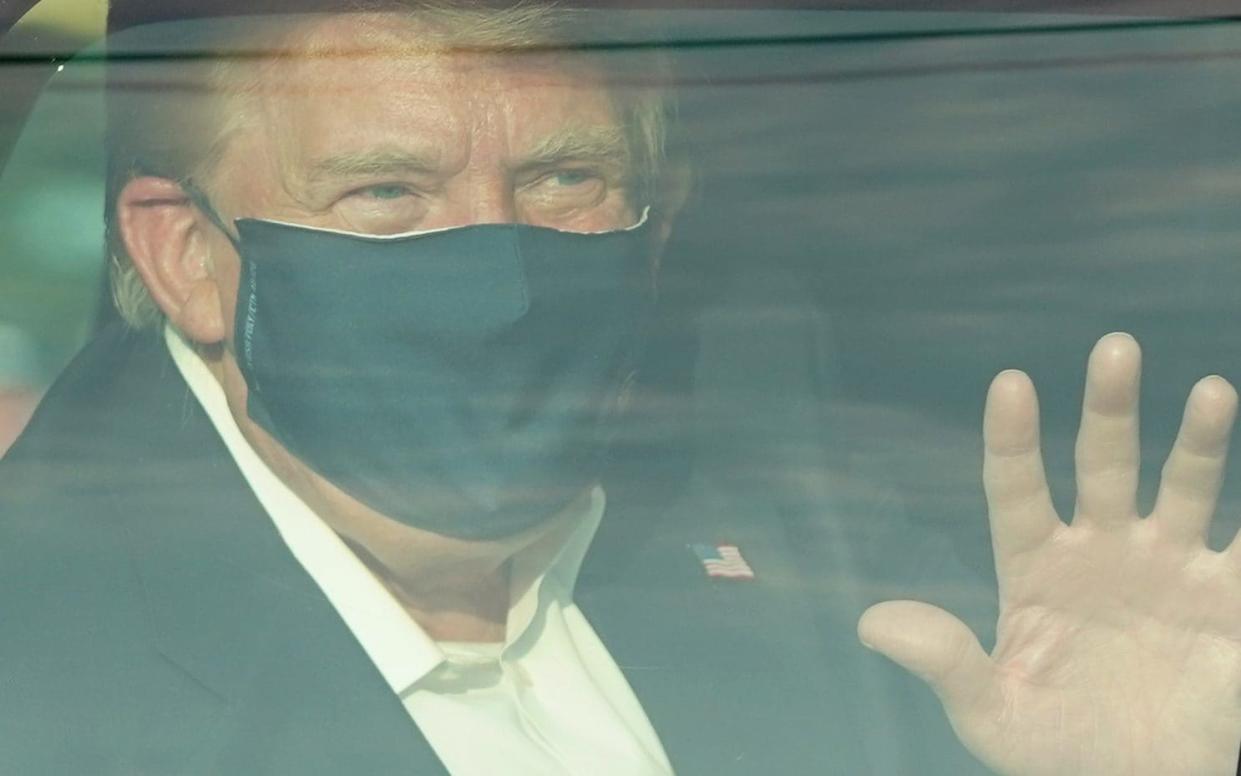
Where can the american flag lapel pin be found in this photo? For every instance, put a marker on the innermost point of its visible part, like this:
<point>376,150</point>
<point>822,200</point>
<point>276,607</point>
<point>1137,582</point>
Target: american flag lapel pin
<point>723,561</point>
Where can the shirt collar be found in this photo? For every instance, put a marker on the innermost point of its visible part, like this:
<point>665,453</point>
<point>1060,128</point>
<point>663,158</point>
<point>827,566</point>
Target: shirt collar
<point>399,648</point>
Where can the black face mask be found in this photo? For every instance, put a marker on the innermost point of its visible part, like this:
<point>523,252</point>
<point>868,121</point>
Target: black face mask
<point>462,381</point>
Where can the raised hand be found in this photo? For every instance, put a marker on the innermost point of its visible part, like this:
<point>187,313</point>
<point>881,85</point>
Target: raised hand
<point>1118,646</point>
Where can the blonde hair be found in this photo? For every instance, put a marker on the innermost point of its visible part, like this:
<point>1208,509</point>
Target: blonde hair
<point>182,130</point>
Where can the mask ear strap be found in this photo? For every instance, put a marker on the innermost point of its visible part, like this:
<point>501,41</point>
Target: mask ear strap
<point>200,201</point>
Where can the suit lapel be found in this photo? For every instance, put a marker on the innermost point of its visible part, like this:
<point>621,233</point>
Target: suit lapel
<point>730,672</point>
<point>228,603</point>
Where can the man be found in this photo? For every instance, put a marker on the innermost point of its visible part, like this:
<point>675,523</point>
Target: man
<point>330,512</point>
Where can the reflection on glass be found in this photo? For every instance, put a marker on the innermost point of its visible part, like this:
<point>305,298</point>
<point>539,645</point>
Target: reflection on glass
<point>395,318</point>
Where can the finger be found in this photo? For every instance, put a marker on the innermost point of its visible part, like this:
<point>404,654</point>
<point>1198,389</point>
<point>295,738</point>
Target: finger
<point>1018,500</point>
<point>1195,468</point>
<point>934,646</point>
<point>1107,442</point>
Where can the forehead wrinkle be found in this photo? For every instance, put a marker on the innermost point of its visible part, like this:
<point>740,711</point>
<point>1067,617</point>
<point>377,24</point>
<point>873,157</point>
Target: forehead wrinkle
<point>301,83</point>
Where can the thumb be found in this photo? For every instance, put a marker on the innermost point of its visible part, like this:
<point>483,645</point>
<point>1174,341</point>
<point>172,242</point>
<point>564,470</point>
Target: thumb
<point>933,645</point>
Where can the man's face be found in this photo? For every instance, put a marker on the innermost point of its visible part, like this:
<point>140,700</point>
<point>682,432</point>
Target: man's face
<point>382,143</point>
<point>379,142</point>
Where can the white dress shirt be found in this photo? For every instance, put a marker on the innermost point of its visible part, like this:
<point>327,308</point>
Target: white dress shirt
<point>548,700</point>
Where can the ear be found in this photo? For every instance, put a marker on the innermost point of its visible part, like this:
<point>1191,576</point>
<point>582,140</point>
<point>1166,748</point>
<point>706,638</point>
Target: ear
<point>162,233</point>
<point>676,186</point>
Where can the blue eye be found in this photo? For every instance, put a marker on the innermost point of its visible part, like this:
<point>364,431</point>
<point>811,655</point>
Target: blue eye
<point>572,177</point>
<point>386,191</point>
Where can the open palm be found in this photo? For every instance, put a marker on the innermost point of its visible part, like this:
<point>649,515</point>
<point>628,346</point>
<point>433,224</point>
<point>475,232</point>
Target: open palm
<point>1118,646</point>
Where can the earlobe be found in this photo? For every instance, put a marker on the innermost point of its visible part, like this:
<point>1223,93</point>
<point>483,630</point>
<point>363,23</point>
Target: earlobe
<point>160,229</point>
<point>678,183</point>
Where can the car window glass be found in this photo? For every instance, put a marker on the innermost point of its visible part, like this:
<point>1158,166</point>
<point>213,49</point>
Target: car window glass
<point>888,209</point>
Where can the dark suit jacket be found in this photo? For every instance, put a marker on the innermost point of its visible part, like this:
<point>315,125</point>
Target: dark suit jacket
<point>152,621</point>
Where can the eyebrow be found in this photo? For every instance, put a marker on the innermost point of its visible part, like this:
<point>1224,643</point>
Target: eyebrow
<point>601,144</point>
<point>382,162</point>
